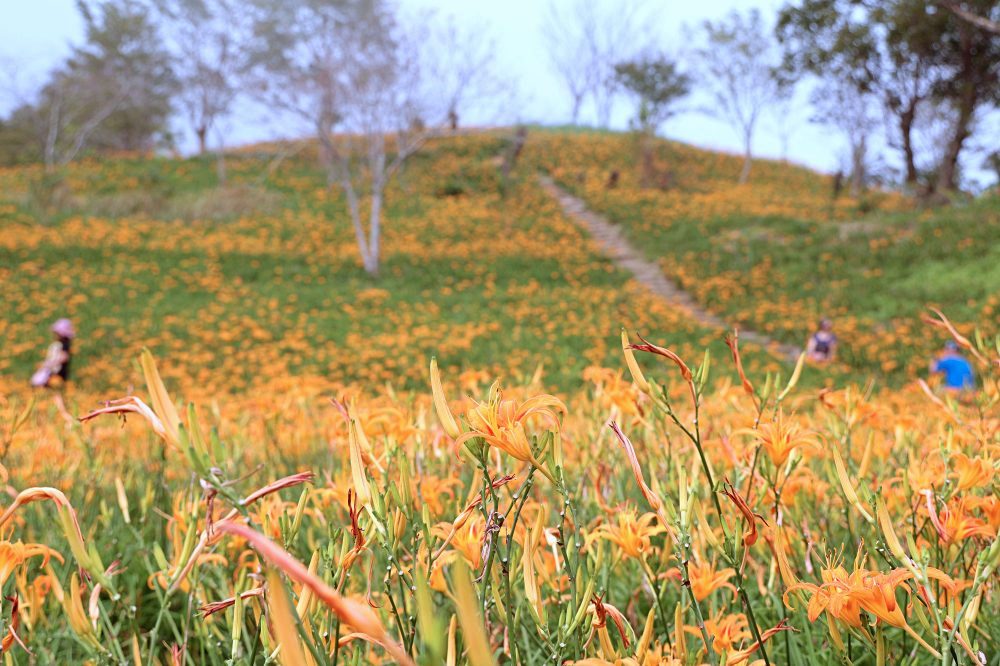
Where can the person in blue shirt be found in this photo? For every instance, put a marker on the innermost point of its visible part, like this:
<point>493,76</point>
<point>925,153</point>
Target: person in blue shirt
<point>957,371</point>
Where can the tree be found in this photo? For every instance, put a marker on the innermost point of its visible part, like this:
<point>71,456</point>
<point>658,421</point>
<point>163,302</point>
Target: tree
<point>113,92</point>
<point>353,74</point>
<point>122,60</point>
<point>585,41</point>
<point>908,54</point>
<point>460,63</point>
<point>567,50</point>
<point>208,46</point>
<point>992,162</point>
<point>783,114</point>
<point>657,85</point>
<point>843,106</point>
<point>739,63</point>
<point>971,56</point>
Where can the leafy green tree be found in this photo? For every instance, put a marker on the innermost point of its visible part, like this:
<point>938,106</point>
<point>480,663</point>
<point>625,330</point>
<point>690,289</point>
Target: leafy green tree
<point>658,85</point>
<point>908,53</point>
<point>123,57</point>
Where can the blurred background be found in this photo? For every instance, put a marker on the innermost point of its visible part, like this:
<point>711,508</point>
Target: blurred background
<point>890,71</point>
<point>268,189</point>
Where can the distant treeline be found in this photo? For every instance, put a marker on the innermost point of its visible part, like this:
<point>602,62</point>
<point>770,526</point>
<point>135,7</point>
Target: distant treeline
<point>919,76</point>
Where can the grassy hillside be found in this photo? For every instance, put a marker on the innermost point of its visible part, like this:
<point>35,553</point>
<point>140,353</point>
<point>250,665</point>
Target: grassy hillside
<point>778,253</point>
<point>149,252</point>
<point>260,279</point>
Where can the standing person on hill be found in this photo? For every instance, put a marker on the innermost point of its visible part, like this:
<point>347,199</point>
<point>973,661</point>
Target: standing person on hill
<point>957,371</point>
<point>822,345</point>
<point>56,363</point>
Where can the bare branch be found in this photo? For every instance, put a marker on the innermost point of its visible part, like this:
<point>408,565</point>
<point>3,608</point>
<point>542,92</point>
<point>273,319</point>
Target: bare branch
<point>971,17</point>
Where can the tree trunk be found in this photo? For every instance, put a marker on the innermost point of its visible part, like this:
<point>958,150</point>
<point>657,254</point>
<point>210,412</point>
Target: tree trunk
<point>646,156</point>
<point>374,231</point>
<point>858,150</point>
<point>906,134</point>
<point>947,180</point>
<point>202,133</point>
<point>747,159</point>
<point>220,166</point>
<point>604,101</point>
<point>577,103</point>
<point>376,164</point>
<point>51,135</point>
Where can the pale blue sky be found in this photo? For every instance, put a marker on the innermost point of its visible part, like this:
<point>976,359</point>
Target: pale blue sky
<point>35,35</point>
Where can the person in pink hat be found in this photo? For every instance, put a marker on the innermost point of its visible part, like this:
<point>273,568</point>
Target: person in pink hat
<point>57,357</point>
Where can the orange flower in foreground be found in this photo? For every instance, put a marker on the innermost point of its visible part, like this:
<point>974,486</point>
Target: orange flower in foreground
<point>972,472</point>
<point>705,579</point>
<point>13,555</point>
<point>501,423</point>
<point>729,631</point>
<point>843,595</point>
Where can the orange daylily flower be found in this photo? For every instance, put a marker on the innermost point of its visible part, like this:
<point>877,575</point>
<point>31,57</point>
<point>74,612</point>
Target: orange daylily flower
<point>779,438</point>
<point>13,555</point>
<point>953,523</point>
<point>466,538</point>
<point>843,595</point>
<point>705,579</point>
<point>612,391</point>
<point>501,423</point>
<point>631,533</point>
<point>972,472</point>
<point>729,631</point>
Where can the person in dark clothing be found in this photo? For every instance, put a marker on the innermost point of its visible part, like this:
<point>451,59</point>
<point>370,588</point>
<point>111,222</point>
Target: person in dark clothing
<point>822,345</point>
<point>57,358</point>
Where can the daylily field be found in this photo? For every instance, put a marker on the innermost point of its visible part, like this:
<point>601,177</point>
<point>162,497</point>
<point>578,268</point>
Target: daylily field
<point>503,450</point>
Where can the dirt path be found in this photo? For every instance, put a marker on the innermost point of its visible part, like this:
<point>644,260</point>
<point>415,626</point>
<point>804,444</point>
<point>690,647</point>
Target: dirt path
<point>616,246</point>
